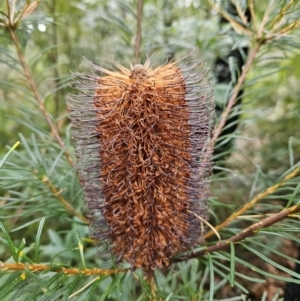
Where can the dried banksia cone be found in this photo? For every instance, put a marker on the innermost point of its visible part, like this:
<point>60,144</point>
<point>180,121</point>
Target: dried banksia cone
<point>143,148</point>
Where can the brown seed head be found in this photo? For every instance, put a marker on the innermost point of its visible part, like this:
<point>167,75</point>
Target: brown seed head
<point>143,148</point>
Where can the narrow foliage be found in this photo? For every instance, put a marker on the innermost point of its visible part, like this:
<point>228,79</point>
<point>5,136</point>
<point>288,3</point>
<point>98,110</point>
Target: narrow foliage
<point>143,148</point>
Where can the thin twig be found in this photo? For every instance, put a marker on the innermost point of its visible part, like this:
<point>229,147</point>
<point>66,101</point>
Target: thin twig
<point>138,37</point>
<point>12,11</point>
<point>289,28</point>
<point>257,198</point>
<point>253,15</point>
<point>37,95</point>
<point>281,14</point>
<point>241,13</point>
<point>235,92</point>
<point>70,271</point>
<point>64,202</point>
<point>8,10</point>
<point>253,229</point>
<point>238,27</point>
<point>264,21</point>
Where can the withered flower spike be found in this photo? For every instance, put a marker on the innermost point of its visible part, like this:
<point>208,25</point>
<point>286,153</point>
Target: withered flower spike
<point>143,149</point>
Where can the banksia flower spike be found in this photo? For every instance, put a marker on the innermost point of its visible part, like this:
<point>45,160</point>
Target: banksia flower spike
<point>143,149</point>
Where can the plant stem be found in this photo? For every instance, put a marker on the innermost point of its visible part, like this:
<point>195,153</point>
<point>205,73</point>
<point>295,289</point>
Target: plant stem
<point>68,271</point>
<point>257,198</point>
<point>65,203</point>
<point>138,37</point>
<point>37,96</point>
<point>253,229</point>
<point>8,9</point>
<point>235,92</point>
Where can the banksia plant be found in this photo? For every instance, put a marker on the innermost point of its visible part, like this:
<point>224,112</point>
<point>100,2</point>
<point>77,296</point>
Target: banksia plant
<point>144,157</point>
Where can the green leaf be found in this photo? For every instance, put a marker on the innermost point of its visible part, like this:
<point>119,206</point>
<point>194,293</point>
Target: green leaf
<point>71,287</point>
<point>38,239</point>
<point>9,243</point>
<point>9,153</point>
<point>212,278</point>
<point>80,247</point>
<point>223,275</point>
<point>232,264</point>
<point>89,292</point>
<point>19,249</point>
<point>111,288</point>
<point>293,196</point>
<point>273,263</point>
<point>262,272</point>
<point>42,284</point>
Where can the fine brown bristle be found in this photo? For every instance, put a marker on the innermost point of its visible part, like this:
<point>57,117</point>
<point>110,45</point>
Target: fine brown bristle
<point>147,139</point>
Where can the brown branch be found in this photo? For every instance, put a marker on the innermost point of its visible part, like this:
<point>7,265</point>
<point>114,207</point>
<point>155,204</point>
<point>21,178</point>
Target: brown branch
<point>37,96</point>
<point>138,37</point>
<point>252,230</point>
<point>65,203</point>
<point>257,198</point>
<point>70,271</point>
<point>235,92</point>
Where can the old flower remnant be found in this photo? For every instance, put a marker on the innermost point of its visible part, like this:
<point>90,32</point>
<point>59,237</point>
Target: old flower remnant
<point>144,156</point>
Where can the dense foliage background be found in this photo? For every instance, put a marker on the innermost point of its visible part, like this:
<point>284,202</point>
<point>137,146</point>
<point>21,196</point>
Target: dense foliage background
<point>45,249</point>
